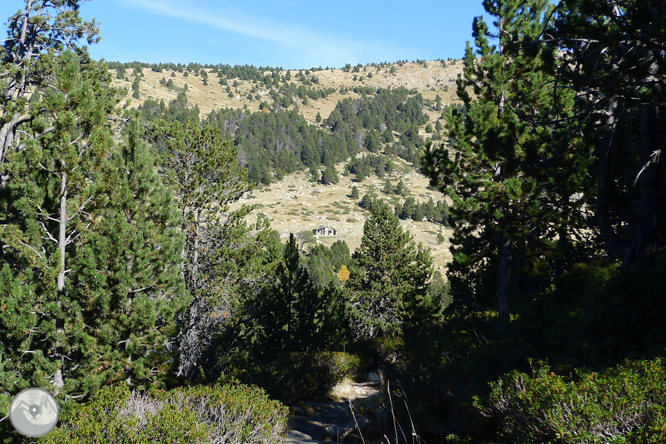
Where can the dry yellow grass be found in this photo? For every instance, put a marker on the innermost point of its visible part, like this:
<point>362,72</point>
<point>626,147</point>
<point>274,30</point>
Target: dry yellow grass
<point>214,96</point>
<point>295,204</point>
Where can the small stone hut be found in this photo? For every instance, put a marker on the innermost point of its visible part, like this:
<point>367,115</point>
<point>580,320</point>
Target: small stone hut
<point>325,231</point>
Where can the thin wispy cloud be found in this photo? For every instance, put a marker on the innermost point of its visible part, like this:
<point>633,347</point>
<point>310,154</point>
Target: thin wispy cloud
<point>302,42</point>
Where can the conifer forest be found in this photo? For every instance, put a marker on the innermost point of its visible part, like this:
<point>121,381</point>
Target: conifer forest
<point>139,289</point>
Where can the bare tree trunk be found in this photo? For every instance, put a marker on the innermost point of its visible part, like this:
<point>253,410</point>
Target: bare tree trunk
<point>7,137</point>
<point>604,181</point>
<point>645,233</point>
<point>504,280</point>
<point>62,235</point>
<point>195,253</point>
<point>58,381</point>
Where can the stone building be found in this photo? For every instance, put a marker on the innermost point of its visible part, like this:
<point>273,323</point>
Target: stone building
<point>324,231</point>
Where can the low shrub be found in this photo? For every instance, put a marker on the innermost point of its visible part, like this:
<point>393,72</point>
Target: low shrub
<point>295,377</point>
<point>341,365</point>
<point>233,413</point>
<point>625,404</point>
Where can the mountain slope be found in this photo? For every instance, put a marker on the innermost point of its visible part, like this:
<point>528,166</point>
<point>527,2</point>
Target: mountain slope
<point>296,204</point>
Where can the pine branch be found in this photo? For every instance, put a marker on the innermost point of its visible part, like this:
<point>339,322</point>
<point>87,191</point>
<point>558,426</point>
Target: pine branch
<point>43,257</point>
<point>48,233</point>
<point>80,208</point>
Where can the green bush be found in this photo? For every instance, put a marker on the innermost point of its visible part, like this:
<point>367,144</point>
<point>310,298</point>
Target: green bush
<point>295,377</point>
<point>341,365</point>
<point>234,413</point>
<point>625,404</point>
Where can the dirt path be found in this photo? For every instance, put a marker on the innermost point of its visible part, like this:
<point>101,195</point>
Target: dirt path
<point>333,421</point>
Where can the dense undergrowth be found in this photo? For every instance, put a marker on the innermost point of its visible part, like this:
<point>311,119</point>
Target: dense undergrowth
<point>213,413</point>
<point>580,362</point>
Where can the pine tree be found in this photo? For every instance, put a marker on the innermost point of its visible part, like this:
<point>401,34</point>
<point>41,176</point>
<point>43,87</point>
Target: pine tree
<point>372,142</point>
<point>201,167</point>
<point>388,187</point>
<point>91,248</point>
<point>53,186</point>
<point>367,202</point>
<point>418,214</point>
<point>401,189</point>
<point>518,160</point>
<point>387,136</point>
<point>129,268</point>
<point>408,208</point>
<point>293,314</point>
<point>31,130</point>
<point>429,210</point>
<point>388,296</point>
<point>135,87</point>
<point>438,103</point>
<point>25,62</point>
<point>314,174</point>
<point>318,118</point>
<point>620,102</point>
<point>354,192</point>
<point>329,175</point>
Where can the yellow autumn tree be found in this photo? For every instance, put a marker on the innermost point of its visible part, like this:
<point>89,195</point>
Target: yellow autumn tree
<point>343,274</point>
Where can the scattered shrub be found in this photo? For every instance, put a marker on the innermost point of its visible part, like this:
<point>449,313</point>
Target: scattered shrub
<point>233,413</point>
<point>622,404</point>
<point>295,377</point>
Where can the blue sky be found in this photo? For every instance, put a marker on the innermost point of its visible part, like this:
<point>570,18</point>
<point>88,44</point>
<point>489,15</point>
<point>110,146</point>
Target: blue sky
<point>292,34</point>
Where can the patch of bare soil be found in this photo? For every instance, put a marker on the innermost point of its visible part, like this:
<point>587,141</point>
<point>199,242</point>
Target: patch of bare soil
<point>350,391</point>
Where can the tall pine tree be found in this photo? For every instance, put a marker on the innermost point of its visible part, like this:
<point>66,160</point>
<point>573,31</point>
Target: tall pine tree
<point>54,177</point>
<point>222,258</point>
<point>127,270</point>
<point>388,294</point>
<point>518,174</point>
<point>293,314</point>
<point>616,63</point>
<point>89,248</point>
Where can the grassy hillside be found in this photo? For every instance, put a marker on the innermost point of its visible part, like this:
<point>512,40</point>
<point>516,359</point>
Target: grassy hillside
<point>296,204</point>
<point>429,78</point>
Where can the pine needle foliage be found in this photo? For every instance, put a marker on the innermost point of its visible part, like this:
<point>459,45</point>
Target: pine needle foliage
<point>388,295</point>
